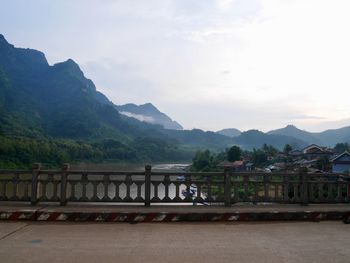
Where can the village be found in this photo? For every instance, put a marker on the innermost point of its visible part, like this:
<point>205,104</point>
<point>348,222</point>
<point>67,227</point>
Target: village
<point>317,159</point>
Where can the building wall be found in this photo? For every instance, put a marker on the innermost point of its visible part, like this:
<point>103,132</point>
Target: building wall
<point>340,168</point>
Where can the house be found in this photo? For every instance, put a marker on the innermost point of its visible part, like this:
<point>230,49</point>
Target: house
<point>341,163</point>
<point>314,151</point>
<point>238,166</point>
<point>249,166</point>
<point>305,163</point>
<point>277,167</point>
<point>295,153</point>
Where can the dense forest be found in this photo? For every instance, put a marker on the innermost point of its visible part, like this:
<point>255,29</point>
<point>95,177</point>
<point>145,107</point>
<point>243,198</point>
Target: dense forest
<point>21,152</point>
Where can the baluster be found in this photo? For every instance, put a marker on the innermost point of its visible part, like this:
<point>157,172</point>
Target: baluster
<point>166,186</point>
<point>330,197</point>
<point>266,188</point>
<point>339,189</point>
<point>320,191</point>
<point>26,191</point>
<point>128,182</point>
<point>106,182</point>
<point>199,193</point>
<point>276,192</point>
<point>47,189</point>
<point>257,186</point>
<point>116,194</point>
<point>34,192</point>
<point>94,195</point>
<point>64,175</point>
<point>15,180</point>
<point>304,186</point>
<point>235,188</point>
<point>138,194</point>
<point>148,170</point>
<point>286,189</point>
<point>72,195</point>
<point>188,196</point>
<point>246,188</point>
<point>84,182</point>
<point>3,190</point>
<point>177,192</point>
<point>227,189</point>
<point>155,185</point>
<point>55,191</point>
<point>209,181</point>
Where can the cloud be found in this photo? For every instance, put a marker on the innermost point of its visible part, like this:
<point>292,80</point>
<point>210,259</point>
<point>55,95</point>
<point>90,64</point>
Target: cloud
<point>139,117</point>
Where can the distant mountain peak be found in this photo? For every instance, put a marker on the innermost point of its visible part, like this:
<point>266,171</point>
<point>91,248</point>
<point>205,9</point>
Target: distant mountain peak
<point>3,39</point>
<point>70,66</point>
<point>230,132</point>
<point>148,113</point>
<point>70,63</point>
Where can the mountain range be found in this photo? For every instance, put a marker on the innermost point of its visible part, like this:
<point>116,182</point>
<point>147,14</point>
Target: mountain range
<point>289,134</point>
<point>42,101</point>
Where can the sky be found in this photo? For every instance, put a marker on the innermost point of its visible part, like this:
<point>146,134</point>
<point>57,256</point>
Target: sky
<point>208,64</point>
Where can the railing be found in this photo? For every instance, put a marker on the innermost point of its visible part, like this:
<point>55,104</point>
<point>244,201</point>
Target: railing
<point>147,187</point>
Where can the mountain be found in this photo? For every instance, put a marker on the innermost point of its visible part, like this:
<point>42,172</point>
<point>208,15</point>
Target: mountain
<point>326,138</point>
<point>39,99</point>
<point>292,131</point>
<point>201,139</point>
<point>334,136</point>
<point>58,108</point>
<point>230,132</point>
<point>150,114</point>
<point>255,139</point>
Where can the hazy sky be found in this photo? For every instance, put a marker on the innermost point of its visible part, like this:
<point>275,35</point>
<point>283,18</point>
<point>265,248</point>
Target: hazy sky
<point>209,64</point>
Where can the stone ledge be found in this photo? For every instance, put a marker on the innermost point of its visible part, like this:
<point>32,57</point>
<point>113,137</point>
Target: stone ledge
<point>135,214</point>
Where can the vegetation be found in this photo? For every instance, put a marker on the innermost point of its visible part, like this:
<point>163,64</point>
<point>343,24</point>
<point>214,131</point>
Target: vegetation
<point>234,154</point>
<point>21,152</point>
<point>205,161</point>
<point>287,149</point>
<point>342,147</point>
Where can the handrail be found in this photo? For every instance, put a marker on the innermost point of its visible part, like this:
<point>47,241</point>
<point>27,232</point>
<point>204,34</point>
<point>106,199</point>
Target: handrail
<point>226,187</point>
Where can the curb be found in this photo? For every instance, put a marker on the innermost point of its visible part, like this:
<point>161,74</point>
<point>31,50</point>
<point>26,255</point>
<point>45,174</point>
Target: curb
<point>172,217</point>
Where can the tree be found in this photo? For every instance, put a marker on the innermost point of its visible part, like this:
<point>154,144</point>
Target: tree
<point>341,147</point>
<point>287,148</point>
<point>259,157</point>
<point>234,154</point>
<point>202,161</point>
<point>323,164</point>
<point>269,150</point>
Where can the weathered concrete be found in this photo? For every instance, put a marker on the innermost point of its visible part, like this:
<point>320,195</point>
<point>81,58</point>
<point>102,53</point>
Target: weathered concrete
<point>244,207</point>
<point>178,242</point>
<point>103,213</point>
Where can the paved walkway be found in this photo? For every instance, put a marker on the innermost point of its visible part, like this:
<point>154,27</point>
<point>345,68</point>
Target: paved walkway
<point>176,242</point>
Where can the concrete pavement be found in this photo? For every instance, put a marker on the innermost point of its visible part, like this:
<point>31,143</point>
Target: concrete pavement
<point>176,242</point>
